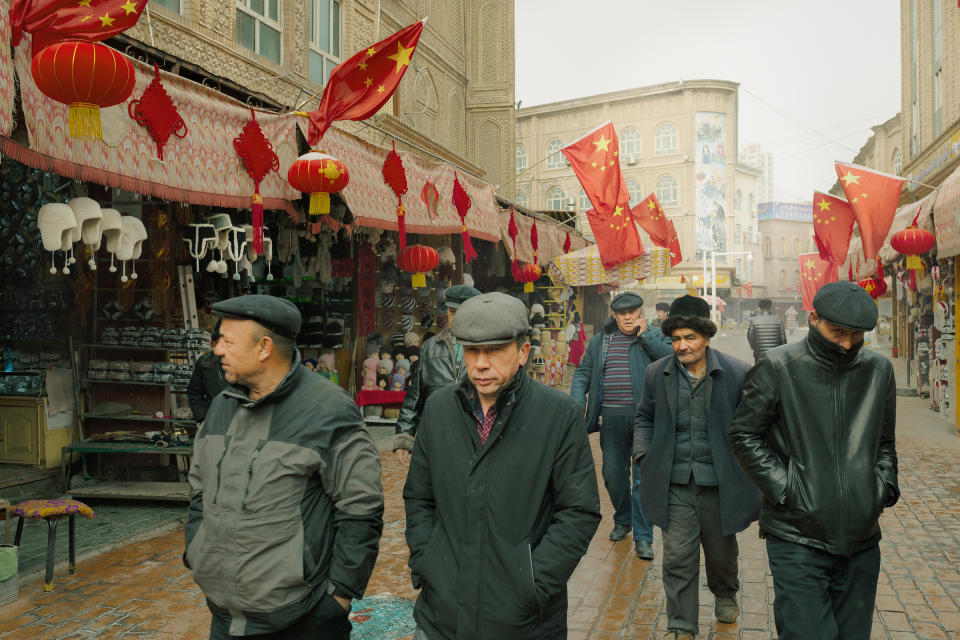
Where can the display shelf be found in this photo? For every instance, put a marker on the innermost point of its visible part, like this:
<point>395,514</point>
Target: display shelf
<point>141,348</point>
<point>23,372</point>
<point>139,418</point>
<point>176,388</point>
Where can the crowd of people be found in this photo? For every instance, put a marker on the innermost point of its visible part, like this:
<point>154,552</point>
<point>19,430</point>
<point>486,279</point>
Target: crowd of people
<point>501,495</point>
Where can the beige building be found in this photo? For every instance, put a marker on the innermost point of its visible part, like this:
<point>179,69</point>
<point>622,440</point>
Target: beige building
<point>787,232</point>
<point>455,101</point>
<point>754,156</point>
<point>679,139</point>
<point>882,151</point>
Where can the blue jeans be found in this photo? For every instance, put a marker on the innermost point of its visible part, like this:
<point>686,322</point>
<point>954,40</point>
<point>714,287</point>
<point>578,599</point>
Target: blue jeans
<point>616,442</point>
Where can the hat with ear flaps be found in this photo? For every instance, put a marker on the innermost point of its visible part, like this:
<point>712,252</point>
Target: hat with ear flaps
<point>111,230</point>
<point>222,224</point>
<point>131,243</point>
<point>56,222</point>
<point>267,253</point>
<point>89,218</point>
<point>201,238</point>
<point>236,247</point>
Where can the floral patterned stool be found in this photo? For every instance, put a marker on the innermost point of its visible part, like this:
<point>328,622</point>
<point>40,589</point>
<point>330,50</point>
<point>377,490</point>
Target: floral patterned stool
<point>51,511</point>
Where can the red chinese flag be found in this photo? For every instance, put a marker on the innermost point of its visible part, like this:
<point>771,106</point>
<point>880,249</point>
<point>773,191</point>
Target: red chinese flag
<point>673,243</point>
<point>53,21</point>
<point>832,227</point>
<point>814,273</point>
<point>651,218</point>
<point>595,158</point>
<point>873,196</point>
<point>360,85</point>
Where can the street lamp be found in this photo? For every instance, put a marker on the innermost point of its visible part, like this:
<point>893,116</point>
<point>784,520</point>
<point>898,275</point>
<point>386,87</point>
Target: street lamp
<point>713,275</point>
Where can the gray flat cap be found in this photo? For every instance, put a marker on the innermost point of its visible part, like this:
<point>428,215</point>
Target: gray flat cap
<point>626,302</point>
<point>277,314</point>
<point>458,294</point>
<point>846,304</point>
<point>490,318</point>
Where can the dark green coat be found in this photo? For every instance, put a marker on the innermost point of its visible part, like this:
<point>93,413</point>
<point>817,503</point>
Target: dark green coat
<point>496,531</point>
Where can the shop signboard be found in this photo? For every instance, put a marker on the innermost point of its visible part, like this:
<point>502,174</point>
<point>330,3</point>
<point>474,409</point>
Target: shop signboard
<point>946,216</point>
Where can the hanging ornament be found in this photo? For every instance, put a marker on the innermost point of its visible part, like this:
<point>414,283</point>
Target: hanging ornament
<point>461,200</point>
<point>431,198</point>
<point>156,111</point>
<point>567,244</point>
<point>259,159</point>
<point>394,175</point>
<point>418,259</point>
<point>87,76</point>
<point>319,175</point>
<point>534,241</point>
<point>528,274</point>
<point>913,242</point>
<point>877,285</point>
<point>513,232</point>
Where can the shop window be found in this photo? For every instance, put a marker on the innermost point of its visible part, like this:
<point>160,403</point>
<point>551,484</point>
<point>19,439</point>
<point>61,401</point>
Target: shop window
<point>666,139</point>
<point>556,199</point>
<point>583,202</point>
<point>555,159</point>
<point>521,159</point>
<point>630,144</point>
<point>667,191</point>
<point>259,27</point>
<point>636,192</point>
<point>324,38</point>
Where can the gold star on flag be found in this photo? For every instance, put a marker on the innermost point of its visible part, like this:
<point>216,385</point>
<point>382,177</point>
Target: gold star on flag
<point>602,168</point>
<point>618,211</point>
<point>380,89</point>
<point>611,163</point>
<point>855,201</point>
<point>368,82</point>
<point>863,195</point>
<point>847,179</point>
<point>85,18</point>
<point>593,164</point>
<point>402,57</point>
<point>129,7</point>
<point>652,205</point>
<point>824,205</point>
<point>811,264</point>
<point>371,51</point>
<point>616,153</point>
<point>362,66</point>
<point>834,218</point>
<point>106,20</point>
<point>602,144</point>
<point>84,3</point>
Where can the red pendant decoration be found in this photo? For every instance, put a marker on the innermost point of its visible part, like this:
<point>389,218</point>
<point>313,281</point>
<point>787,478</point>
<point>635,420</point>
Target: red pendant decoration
<point>418,259</point>
<point>259,159</point>
<point>394,175</point>
<point>318,174</point>
<point>461,200</point>
<point>156,111</point>
<point>528,274</point>
<point>534,241</point>
<point>567,244</point>
<point>513,232</point>
<point>86,76</point>
<point>877,285</point>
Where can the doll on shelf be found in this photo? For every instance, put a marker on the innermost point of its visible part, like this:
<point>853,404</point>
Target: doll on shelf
<point>370,384</point>
<point>310,364</point>
<point>385,367</point>
<point>370,366</point>
<point>398,382</point>
<point>403,368</point>
<point>556,364</point>
<point>327,367</point>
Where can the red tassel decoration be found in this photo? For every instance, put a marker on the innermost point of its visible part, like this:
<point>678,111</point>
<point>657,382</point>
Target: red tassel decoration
<point>257,222</point>
<point>259,159</point>
<point>534,240</point>
<point>567,244</point>
<point>513,232</point>
<point>850,271</point>
<point>396,177</point>
<point>461,200</point>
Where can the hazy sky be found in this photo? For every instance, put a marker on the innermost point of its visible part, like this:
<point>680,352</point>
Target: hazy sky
<point>814,76</point>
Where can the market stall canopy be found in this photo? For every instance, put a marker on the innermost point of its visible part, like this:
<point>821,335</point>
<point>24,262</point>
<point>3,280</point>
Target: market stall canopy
<point>863,268</point>
<point>551,238</point>
<point>583,268</point>
<point>946,216</point>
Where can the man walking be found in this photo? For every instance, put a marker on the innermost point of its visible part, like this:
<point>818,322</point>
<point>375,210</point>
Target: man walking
<point>501,496</point>
<point>286,506</point>
<point>816,432</point>
<point>663,311</point>
<point>765,331</point>
<point>693,488</point>
<point>441,364</point>
<point>612,373</point>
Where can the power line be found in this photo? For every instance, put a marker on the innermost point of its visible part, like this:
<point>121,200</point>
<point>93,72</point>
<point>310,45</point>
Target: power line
<point>787,116</point>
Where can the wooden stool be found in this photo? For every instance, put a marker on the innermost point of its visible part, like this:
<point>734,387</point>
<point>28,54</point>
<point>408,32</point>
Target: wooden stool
<point>51,511</point>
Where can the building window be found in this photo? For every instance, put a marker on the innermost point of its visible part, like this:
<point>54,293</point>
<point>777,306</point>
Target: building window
<point>554,157</point>
<point>583,202</point>
<point>666,140</point>
<point>898,163</point>
<point>796,279</point>
<point>782,280</point>
<point>667,191</point>
<point>736,201</point>
<point>750,209</point>
<point>324,38</point>
<point>173,5</point>
<point>521,157</point>
<point>522,198</point>
<point>258,27</point>
<point>783,247</point>
<point>767,248</point>
<point>796,247</point>
<point>556,199</point>
<point>630,144</point>
<point>636,192</point>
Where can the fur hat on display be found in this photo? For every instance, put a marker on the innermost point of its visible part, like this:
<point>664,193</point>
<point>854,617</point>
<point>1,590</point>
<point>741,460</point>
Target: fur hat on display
<point>89,218</point>
<point>56,222</point>
<point>396,339</point>
<point>411,339</point>
<point>446,256</point>
<point>406,323</point>
<point>111,230</point>
<point>222,224</point>
<point>236,246</point>
<point>131,243</point>
<point>202,238</point>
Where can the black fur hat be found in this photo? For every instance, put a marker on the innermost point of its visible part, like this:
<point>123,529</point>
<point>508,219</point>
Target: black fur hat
<point>689,312</point>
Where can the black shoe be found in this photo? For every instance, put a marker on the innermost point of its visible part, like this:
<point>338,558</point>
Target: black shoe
<point>620,531</point>
<point>644,550</point>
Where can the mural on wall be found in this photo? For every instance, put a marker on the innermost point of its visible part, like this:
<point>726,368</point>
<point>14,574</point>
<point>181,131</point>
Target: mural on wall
<point>711,175</point>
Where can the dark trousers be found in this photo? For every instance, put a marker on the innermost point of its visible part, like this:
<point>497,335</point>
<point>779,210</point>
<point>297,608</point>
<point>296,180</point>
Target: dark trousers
<point>616,442</point>
<point>820,596</point>
<point>326,621</point>
<point>693,520</point>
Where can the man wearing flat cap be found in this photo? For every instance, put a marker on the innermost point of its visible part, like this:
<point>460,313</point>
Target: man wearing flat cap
<point>816,433</point>
<point>501,496</point>
<point>663,312</point>
<point>441,364</point>
<point>693,487</point>
<point>286,505</point>
<point>611,373</point>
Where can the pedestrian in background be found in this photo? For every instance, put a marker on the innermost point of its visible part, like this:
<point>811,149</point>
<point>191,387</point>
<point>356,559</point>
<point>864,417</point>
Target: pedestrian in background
<point>440,364</point>
<point>612,374</point>
<point>286,506</point>
<point>501,496</point>
<point>816,432</point>
<point>693,488</point>
<point>663,311</point>
<point>765,331</point>
<point>207,380</point>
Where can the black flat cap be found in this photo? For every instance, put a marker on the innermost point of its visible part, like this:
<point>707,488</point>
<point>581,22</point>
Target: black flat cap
<point>490,318</point>
<point>690,307</point>
<point>846,304</point>
<point>458,294</point>
<point>663,306</point>
<point>276,314</point>
<point>626,302</point>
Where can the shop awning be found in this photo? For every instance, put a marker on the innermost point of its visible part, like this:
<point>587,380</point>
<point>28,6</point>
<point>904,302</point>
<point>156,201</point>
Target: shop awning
<point>946,216</point>
<point>583,268</point>
<point>550,238</point>
<point>374,204</point>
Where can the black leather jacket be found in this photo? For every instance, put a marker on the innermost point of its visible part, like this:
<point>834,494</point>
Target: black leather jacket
<point>765,332</point>
<point>816,432</point>
<point>437,368</point>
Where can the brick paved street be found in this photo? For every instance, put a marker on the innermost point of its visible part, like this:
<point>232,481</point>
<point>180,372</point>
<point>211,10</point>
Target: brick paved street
<point>141,590</point>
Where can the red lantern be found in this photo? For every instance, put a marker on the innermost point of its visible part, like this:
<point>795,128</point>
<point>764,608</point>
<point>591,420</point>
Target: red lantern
<point>528,274</point>
<point>319,175</point>
<point>913,242</point>
<point>418,259</point>
<point>86,76</point>
<point>875,286</point>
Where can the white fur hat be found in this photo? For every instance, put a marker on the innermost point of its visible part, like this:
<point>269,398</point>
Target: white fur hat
<point>56,222</point>
<point>237,240</point>
<point>222,223</point>
<point>203,239</point>
<point>446,256</point>
<point>131,243</point>
<point>89,218</point>
<point>111,229</point>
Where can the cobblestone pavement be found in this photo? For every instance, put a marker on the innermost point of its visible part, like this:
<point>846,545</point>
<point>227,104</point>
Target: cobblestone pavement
<point>141,590</point>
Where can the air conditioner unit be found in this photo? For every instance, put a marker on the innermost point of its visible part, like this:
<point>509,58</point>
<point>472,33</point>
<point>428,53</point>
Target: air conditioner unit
<point>631,159</point>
